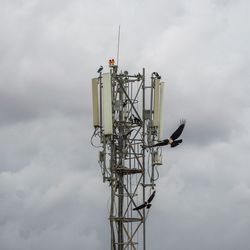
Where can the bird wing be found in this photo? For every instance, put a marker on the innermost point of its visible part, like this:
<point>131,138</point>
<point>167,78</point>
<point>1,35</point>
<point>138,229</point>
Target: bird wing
<point>176,143</point>
<point>140,207</point>
<point>151,197</point>
<point>178,131</point>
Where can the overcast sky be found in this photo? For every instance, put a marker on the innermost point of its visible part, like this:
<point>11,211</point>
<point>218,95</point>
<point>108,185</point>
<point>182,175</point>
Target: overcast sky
<point>51,192</point>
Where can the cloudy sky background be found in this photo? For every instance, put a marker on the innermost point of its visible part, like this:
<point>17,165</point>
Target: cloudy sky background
<point>51,193</point>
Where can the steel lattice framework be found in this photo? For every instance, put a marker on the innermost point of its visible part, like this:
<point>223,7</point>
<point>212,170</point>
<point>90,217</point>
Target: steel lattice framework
<point>128,167</point>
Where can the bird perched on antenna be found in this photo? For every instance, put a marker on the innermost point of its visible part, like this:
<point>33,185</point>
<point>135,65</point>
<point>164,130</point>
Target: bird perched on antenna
<point>172,141</point>
<point>157,75</point>
<point>147,203</point>
<point>134,119</point>
<point>100,69</point>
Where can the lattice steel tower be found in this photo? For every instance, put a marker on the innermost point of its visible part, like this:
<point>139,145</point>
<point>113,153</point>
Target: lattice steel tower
<point>126,117</point>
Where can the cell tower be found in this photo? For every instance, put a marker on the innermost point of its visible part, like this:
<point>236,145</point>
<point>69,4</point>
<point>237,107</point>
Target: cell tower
<point>127,115</point>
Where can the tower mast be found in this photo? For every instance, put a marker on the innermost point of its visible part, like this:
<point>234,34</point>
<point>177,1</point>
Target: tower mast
<point>124,126</point>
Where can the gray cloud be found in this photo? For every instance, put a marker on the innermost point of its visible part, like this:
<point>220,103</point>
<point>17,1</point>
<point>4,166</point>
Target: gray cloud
<point>51,191</point>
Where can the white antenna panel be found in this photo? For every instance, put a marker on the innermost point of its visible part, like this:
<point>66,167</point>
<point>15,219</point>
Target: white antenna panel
<point>156,102</point>
<point>161,110</point>
<point>95,102</point>
<point>107,104</point>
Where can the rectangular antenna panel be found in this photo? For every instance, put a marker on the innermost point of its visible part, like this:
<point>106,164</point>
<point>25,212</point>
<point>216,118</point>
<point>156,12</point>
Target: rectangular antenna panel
<point>107,104</point>
<point>157,158</point>
<point>156,102</point>
<point>95,102</point>
<point>161,111</point>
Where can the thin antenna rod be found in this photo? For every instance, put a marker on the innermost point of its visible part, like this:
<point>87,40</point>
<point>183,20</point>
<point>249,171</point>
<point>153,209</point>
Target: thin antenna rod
<point>118,46</point>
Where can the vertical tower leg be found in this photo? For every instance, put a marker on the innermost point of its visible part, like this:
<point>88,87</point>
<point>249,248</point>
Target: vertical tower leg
<point>143,159</point>
<point>120,213</point>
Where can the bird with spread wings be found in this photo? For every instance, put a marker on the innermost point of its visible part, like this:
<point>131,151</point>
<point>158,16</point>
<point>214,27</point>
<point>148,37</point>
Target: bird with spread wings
<point>172,140</point>
<point>146,204</point>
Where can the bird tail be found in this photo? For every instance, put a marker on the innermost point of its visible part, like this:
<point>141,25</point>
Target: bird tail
<point>176,143</point>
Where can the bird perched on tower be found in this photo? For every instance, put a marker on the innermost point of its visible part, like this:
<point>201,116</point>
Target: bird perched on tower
<point>100,69</point>
<point>172,140</point>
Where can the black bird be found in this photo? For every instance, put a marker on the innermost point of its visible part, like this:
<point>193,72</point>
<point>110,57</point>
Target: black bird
<point>134,120</point>
<point>100,69</point>
<point>157,75</point>
<point>137,120</point>
<point>172,139</point>
<point>147,203</point>
<point>125,103</point>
